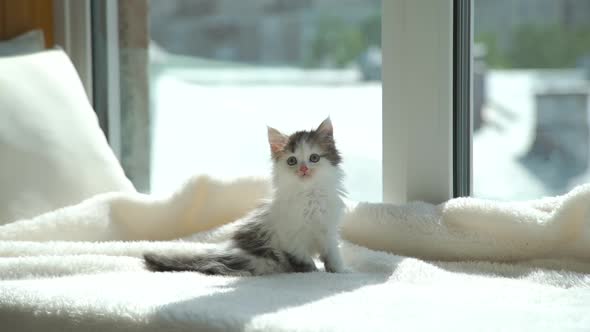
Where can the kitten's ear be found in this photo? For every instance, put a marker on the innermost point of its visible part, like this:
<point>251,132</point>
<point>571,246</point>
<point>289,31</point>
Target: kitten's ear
<point>326,127</point>
<point>276,139</point>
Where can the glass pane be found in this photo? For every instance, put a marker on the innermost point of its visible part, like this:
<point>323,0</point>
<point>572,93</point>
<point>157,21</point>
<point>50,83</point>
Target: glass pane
<point>221,71</point>
<point>531,97</point>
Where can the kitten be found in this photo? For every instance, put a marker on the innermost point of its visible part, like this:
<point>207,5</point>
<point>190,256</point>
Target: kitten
<point>297,224</point>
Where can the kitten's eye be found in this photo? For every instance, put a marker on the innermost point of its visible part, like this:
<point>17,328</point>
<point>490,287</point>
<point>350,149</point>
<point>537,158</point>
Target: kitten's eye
<point>291,161</point>
<point>314,158</point>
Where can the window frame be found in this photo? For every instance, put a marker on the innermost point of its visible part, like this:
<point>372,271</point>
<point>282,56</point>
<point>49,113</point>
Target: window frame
<point>420,100</point>
<point>107,83</point>
<point>462,98</point>
<point>72,30</point>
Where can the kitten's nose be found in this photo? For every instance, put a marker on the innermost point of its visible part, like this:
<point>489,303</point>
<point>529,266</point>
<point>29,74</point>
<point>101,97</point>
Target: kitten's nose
<point>303,169</point>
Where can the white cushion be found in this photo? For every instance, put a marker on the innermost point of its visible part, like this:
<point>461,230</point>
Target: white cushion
<point>29,42</point>
<point>52,150</point>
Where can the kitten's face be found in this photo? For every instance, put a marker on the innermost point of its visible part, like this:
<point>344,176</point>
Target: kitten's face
<point>305,155</point>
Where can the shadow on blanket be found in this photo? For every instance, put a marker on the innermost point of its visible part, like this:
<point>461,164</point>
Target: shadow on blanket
<point>246,298</point>
<point>120,301</point>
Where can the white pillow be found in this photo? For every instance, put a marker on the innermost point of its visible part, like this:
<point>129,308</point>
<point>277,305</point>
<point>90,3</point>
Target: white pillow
<point>29,42</point>
<point>52,150</point>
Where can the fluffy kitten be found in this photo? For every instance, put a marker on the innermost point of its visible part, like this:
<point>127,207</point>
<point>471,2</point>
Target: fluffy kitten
<point>299,223</point>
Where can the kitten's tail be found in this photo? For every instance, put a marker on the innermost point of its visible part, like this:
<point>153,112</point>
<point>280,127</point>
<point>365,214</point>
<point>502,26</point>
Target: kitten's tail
<point>233,263</point>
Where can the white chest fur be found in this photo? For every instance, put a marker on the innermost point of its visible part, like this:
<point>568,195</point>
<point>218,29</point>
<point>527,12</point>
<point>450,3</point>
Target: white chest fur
<point>303,221</point>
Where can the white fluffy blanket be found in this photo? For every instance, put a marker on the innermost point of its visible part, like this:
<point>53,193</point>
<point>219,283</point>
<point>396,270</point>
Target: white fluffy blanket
<point>477,265</point>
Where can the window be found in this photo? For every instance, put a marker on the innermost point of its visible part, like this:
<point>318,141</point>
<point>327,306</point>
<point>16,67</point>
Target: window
<point>219,71</point>
<point>531,97</point>
<point>530,79</point>
<point>398,145</point>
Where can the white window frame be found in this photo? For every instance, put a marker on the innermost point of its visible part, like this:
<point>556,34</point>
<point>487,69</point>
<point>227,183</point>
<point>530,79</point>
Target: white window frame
<point>417,39</point>
<point>72,30</point>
